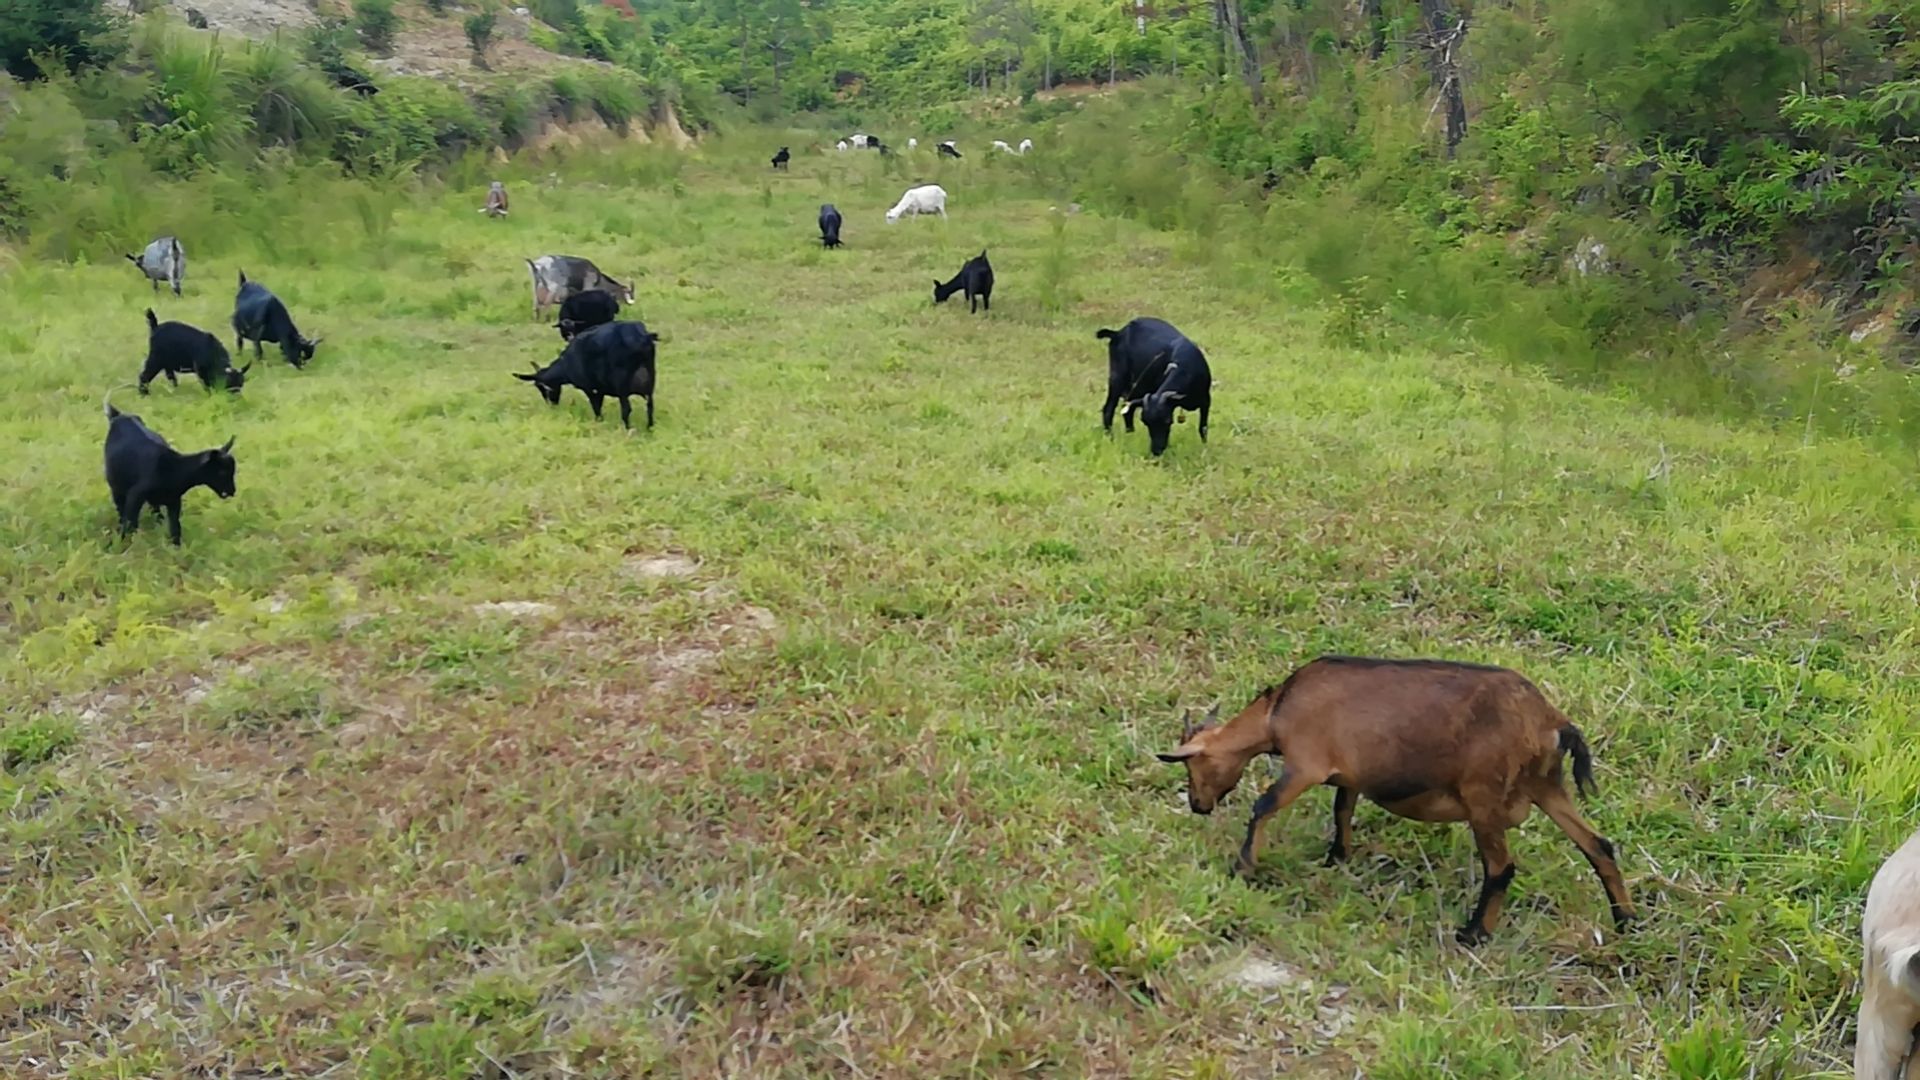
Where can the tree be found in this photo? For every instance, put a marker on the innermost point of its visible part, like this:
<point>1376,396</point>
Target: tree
<point>76,33</point>
<point>1231,17</point>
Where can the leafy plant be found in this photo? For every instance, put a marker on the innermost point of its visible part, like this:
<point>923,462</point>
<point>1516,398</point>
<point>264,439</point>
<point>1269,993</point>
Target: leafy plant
<point>479,27</point>
<point>376,23</point>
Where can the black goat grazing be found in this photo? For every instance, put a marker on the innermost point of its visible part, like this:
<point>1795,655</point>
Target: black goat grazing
<point>780,159</point>
<point>174,348</point>
<point>583,311</point>
<point>615,360</point>
<point>1156,370</point>
<point>258,316</point>
<point>829,226</point>
<point>975,279</point>
<point>947,149</point>
<point>143,471</point>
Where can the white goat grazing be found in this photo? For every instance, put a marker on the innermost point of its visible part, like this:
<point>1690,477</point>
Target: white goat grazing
<point>1890,996</point>
<point>842,147</point>
<point>926,199</point>
<point>1025,145</point>
<point>1001,144</point>
<point>913,144</point>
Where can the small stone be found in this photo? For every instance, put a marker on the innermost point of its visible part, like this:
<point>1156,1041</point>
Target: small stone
<point>664,566</point>
<point>1259,973</point>
<point>514,608</point>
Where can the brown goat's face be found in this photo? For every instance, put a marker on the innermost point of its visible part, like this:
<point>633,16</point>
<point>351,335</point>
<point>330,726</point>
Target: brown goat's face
<point>1211,771</point>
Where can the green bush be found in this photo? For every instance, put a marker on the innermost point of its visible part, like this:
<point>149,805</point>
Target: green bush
<point>479,28</point>
<point>376,22</point>
<point>32,742</point>
<point>66,33</point>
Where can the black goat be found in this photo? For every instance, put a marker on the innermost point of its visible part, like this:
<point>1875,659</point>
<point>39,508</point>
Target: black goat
<point>975,279</point>
<point>174,348</point>
<point>583,311</point>
<point>258,315</point>
<point>1156,370</point>
<point>780,159</point>
<point>615,360</point>
<point>143,471</point>
<point>829,226</point>
<point>947,149</point>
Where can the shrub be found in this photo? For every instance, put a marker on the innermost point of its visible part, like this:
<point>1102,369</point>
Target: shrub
<point>480,32</point>
<point>376,22</point>
<point>438,7</point>
<point>73,33</point>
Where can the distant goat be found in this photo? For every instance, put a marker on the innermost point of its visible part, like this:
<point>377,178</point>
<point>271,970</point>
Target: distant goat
<point>947,149</point>
<point>143,471</point>
<point>583,311</point>
<point>975,279</point>
<point>781,158</point>
<point>1428,740</point>
<point>163,260</point>
<point>556,277</point>
<point>1001,144</point>
<point>925,199</point>
<point>496,200</point>
<point>829,226</point>
<point>615,360</point>
<point>174,348</point>
<point>1885,1046</point>
<point>842,145</point>
<point>1025,145</point>
<point>913,144</point>
<point>258,316</point>
<point>1155,369</point>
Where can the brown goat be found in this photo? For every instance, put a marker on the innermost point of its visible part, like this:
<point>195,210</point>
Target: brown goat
<point>1428,740</point>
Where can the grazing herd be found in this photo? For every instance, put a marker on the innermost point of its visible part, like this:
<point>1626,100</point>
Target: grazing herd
<point>1432,741</point>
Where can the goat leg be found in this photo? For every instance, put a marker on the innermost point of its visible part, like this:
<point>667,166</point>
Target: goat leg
<point>1558,805</point>
<point>173,522</point>
<point>596,400</point>
<point>1106,411</point>
<point>131,503</point>
<point>626,412</point>
<point>1203,421</point>
<point>1491,837</point>
<point>1343,803</point>
<point>1292,784</point>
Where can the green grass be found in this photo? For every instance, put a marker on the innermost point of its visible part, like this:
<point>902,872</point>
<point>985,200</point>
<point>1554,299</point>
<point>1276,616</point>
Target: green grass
<point>861,782</point>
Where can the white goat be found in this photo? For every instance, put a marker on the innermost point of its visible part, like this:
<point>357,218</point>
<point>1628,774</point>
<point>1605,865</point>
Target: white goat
<point>1026,145</point>
<point>1890,996</point>
<point>926,199</point>
<point>1001,144</point>
<point>842,147</point>
<point>913,144</point>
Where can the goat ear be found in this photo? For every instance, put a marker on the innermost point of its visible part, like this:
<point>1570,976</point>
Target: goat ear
<point>524,377</point>
<point>1186,725</point>
<point>1178,754</point>
<point>248,368</point>
<point>227,448</point>
<point>1213,715</point>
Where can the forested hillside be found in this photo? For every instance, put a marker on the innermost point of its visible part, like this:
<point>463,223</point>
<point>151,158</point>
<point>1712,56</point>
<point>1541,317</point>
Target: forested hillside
<point>1614,189</point>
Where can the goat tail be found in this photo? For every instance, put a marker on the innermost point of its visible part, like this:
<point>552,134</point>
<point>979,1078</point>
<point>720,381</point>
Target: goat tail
<point>1575,744</point>
<point>106,401</point>
<point>153,321</point>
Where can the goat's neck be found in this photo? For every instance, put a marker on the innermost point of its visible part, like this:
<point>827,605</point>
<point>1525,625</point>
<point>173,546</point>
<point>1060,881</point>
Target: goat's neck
<point>1246,736</point>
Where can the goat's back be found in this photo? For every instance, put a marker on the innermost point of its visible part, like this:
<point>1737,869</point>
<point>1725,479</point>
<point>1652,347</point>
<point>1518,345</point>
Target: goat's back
<point>1451,719</point>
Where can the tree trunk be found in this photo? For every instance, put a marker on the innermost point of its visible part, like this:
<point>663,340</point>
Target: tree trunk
<point>1232,19</point>
<point>746,77</point>
<point>1436,16</point>
<point>1376,22</point>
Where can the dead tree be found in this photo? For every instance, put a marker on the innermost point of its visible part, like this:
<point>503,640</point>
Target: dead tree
<point>1375,21</point>
<point>1232,20</point>
<point>1444,35</point>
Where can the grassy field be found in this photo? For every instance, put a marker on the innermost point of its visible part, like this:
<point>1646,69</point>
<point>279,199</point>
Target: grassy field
<point>812,733</point>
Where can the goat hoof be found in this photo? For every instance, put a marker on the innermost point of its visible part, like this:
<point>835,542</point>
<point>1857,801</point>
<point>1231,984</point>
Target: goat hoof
<point>1335,856</point>
<point>1471,935</point>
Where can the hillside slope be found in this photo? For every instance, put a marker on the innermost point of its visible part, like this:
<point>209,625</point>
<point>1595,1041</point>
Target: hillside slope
<point>811,733</point>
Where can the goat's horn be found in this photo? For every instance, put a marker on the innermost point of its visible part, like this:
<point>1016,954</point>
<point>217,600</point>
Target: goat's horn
<point>1213,714</point>
<point>1186,725</point>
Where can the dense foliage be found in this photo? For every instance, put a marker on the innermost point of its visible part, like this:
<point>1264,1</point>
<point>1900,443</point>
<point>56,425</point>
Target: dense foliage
<point>67,32</point>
